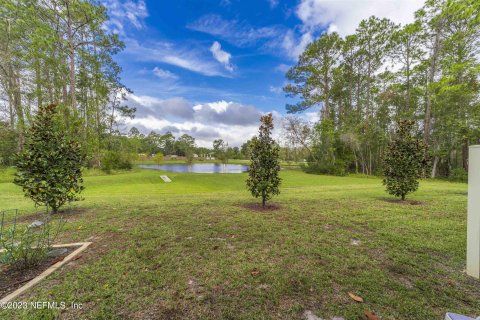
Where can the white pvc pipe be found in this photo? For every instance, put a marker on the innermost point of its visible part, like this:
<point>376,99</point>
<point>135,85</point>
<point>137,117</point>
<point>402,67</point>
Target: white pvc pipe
<point>473,218</point>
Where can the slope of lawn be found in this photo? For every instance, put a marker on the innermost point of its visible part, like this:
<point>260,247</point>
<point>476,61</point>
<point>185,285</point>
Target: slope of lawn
<point>190,249</point>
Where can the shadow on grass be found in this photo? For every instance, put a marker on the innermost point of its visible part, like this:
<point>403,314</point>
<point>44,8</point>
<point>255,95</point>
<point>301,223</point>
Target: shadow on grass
<point>258,207</point>
<point>403,202</point>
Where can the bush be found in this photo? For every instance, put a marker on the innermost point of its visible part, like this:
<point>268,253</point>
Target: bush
<point>8,144</point>
<point>337,169</point>
<point>114,160</point>
<point>49,166</point>
<point>26,246</point>
<point>404,161</point>
<point>458,175</point>
<point>158,158</point>
<point>263,179</point>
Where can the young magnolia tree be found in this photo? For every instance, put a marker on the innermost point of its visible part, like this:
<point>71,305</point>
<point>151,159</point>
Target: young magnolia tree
<point>263,180</point>
<point>49,167</point>
<point>404,161</point>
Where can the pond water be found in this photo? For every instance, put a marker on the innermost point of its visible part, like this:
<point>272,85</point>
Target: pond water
<point>198,167</point>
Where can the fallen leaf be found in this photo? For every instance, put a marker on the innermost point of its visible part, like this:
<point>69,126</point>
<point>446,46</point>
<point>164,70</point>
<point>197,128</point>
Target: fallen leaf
<point>355,297</point>
<point>371,315</point>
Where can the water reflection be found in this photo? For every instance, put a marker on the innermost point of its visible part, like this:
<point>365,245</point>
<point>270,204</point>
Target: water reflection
<point>198,167</point>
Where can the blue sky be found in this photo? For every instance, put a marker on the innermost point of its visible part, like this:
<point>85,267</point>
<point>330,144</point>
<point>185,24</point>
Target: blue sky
<point>211,68</point>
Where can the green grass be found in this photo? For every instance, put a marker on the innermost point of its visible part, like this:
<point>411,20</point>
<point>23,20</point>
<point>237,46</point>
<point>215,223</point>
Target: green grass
<point>187,249</point>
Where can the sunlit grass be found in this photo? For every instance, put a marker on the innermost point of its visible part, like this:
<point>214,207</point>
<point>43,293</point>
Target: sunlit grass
<point>187,249</point>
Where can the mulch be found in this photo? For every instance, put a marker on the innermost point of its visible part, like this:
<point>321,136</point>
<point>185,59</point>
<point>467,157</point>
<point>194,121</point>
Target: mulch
<point>11,279</point>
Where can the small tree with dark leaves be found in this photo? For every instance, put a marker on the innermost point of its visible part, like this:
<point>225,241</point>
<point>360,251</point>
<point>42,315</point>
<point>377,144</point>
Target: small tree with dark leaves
<point>49,166</point>
<point>404,160</point>
<point>263,180</point>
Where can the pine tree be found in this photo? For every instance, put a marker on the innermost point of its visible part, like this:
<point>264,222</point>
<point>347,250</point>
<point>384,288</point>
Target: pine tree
<point>263,180</point>
<point>404,160</point>
<point>49,167</point>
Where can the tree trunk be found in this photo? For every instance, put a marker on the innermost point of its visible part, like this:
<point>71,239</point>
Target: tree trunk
<point>407,105</point>
<point>431,78</point>
<point>71,51</point>
<point>64,85</point>
<point>465,155</point>
<point>17,104</point>
<point>38,80</point>
<point>434,167</point>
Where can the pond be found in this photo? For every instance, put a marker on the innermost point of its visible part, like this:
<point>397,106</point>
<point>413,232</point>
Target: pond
<point>198,167</point>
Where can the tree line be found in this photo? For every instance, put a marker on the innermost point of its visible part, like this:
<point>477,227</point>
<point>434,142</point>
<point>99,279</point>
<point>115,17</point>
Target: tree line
<point>183,145</point>
<point>365,83</point>
<point>58,52</point>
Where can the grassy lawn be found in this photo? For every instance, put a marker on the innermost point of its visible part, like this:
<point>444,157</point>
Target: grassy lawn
<point>191,250</point>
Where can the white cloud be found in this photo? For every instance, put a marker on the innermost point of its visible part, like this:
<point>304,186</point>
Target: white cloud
<point>276,90</point>
<point>228,120</point>
<point>282,67</point>
<point>122,13</point>
<point>293,45</point>
<point>176,107</point>
<point>273,3</point>
<point>238,33</point>
<point>344,16</point>
<point>164,74</point>
<point>221,56</point>
<point>190,58</point>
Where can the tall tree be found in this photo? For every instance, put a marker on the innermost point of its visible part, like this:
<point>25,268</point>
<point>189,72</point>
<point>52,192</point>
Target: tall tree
<point>312,76</point>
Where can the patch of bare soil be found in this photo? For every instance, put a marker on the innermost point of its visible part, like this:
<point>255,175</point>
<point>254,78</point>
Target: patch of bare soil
<point>259,207</point>
<point>12,279</point>
<point>65,213</point>
<point>404,202</point>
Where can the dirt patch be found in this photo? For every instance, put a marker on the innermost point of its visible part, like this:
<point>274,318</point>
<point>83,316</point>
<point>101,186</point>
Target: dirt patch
<point>403,202</point>
<point>259,207</point>
<point>40,215</point>
<point>12,279</point>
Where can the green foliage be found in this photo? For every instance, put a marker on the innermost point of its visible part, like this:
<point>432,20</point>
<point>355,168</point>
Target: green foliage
<point>246,149</point>
<point>8,144</point>
<point>336,169</point>
<point>185,146</point>
<point>27,245</point>
<point>404,161</point>
<point>263,175</point>
<point>49,167</point>
<point>436,84</point>
<point>458,175</point>
<point>220,150</point>
<point>189,157</point>
<point>115,160</point>
<point>158,158</point>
